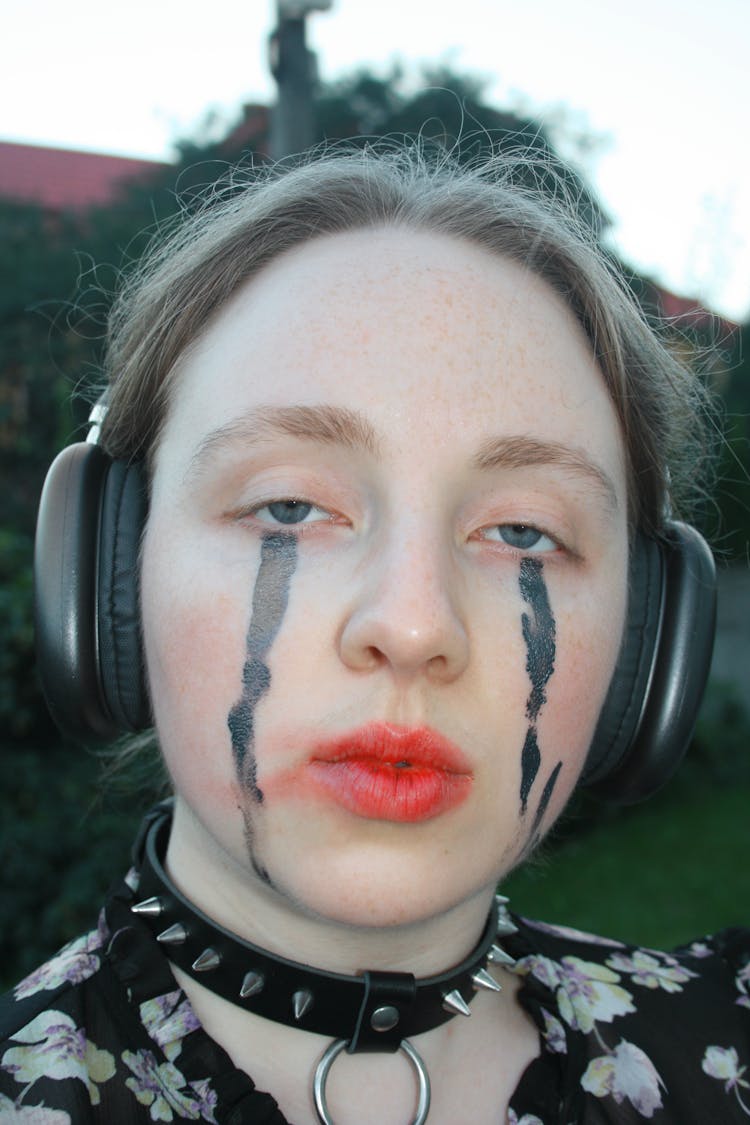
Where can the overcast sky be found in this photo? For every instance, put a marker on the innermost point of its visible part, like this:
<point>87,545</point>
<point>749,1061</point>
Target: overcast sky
<point>662,84</point>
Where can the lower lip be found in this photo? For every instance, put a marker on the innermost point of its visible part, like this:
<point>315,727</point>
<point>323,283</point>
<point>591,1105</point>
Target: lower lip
<point>374,787</point>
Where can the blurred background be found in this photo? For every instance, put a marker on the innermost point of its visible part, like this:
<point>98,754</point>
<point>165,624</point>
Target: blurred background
<point>115,118</point>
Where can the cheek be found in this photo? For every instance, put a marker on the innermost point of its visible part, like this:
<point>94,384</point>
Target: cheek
<point>194,642</point>
<point>196,645</point>
<point>588,645</point>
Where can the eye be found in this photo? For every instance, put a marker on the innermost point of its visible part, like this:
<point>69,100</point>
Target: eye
<point>289,512</point>
<point>520,536</point>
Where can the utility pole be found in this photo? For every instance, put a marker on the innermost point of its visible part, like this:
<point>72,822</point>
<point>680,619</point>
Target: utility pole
<point>293,67</point>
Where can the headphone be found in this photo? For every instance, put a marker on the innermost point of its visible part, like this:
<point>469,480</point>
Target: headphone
<point>90,654</point>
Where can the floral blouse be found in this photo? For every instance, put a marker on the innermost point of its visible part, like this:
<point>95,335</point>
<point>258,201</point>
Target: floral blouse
<point>102,1034</point>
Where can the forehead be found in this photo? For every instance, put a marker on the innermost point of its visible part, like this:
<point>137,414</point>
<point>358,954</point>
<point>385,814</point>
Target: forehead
<point>413,329</point>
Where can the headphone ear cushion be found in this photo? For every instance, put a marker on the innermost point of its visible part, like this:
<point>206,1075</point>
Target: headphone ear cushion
<point>77,497</point>
<point>652,706</point>
<point>121,665</point>
<point>623,706</point>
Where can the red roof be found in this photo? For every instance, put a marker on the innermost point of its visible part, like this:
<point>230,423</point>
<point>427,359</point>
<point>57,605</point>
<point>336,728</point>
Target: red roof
<point>64,179</point>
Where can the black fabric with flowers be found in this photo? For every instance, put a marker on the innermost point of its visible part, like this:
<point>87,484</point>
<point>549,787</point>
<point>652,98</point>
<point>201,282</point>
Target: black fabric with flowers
<point>102,1034</point>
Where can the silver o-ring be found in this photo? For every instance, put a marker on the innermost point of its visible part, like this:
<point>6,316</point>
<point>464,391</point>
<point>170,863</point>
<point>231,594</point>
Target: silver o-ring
<point>333,1052</point>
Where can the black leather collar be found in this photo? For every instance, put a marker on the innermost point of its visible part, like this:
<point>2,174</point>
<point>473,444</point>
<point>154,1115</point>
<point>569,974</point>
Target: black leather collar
<point>373,1011</point>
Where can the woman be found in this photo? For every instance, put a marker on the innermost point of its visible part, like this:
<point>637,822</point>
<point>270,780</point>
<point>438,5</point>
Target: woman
<point>402,433</point>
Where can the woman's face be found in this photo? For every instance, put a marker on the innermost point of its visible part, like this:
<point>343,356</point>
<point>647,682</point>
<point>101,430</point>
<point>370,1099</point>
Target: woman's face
<point>384,573</point>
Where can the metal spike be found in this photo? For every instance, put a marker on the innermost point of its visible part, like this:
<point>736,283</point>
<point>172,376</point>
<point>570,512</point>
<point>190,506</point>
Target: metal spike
<point>505,927</point>
<point>482,979</point>
<point>252,984</point>
<point>208,960</point>
<point>498,956</point>
<point>454,1002</point>
<point>302,1002</point>
<point>175,935</point>
<point>502,900</point>
<point>151,907</point>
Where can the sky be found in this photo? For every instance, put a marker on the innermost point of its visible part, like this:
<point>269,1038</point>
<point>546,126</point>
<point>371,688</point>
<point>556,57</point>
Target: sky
<point>660,87</point>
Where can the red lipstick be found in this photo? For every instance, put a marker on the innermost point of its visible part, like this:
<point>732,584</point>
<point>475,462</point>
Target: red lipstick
<point>386,772</point>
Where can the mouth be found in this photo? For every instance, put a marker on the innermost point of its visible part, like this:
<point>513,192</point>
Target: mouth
<point>387,772</point>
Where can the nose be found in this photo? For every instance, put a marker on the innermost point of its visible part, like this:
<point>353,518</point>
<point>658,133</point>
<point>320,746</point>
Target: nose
<point>406,616</point>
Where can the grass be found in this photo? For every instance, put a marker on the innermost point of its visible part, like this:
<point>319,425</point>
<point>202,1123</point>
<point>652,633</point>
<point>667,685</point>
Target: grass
<point>656,875</point>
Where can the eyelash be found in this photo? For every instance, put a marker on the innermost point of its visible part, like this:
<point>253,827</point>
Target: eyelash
<point>295,527</point>
<point>519,528</point>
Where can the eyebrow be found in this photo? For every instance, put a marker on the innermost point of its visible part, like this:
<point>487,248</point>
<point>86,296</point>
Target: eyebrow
<point>324,424</point>
<point>336,425</point>
<point>521,451</point>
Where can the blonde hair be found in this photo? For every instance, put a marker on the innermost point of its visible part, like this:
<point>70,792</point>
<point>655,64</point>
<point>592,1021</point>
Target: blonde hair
<point>170,301</point>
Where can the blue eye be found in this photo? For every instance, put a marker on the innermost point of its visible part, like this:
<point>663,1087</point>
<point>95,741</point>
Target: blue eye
<point>289,512</point>
<point>521,536</point>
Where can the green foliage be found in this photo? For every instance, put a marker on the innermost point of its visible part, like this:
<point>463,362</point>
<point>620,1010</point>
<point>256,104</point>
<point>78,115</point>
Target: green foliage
<point>65,836</point>
<point>21,716</point>
<point>37,278</point>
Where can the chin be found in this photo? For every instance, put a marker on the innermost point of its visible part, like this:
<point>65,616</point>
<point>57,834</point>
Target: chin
<point>374,906</point>
<point>373,886</point>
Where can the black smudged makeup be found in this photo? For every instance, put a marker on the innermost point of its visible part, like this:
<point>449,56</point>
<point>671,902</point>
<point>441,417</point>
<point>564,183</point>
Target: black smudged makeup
<point>530,761</point>
<point>538,628</point>
<point>278,559</point>
<point>542,807</point>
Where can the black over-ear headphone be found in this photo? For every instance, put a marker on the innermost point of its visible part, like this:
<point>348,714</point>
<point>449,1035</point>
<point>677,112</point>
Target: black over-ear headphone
<point>90,656</point>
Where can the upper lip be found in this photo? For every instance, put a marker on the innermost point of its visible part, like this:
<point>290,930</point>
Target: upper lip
<point>394,745</point>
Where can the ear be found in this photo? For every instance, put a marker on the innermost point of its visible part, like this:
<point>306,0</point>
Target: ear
<point>653,701</point>
<point>86,588</point>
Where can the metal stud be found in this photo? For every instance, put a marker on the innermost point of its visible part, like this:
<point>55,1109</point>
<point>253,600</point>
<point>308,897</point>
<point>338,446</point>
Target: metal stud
<point>501,900</point>
<point>175,935</point>
<point>252,984</point>
<point>498,956</point>
<point>482,979</point>
<point>454,1003</point>
<point>506,927</point>
<point>151,907</point>
<point>208,960</point>
<point>385,1018</point>
<point>302,1002</point>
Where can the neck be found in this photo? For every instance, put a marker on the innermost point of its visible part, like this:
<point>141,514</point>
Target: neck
<point>239,900</point>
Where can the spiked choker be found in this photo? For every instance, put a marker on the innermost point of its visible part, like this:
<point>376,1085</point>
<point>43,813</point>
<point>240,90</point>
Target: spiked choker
<point>374,1011</point>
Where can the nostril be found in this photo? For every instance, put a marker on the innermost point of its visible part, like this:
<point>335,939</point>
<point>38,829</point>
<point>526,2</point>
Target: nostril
<point>412,629</point>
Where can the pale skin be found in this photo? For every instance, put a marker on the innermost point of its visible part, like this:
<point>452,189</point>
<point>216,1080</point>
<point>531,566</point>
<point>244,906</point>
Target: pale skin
<point>423,396</point>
